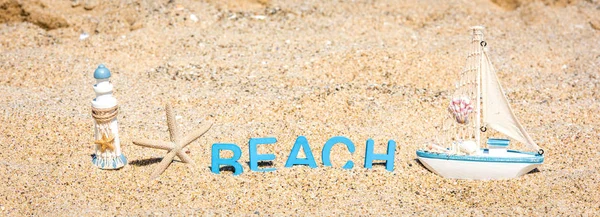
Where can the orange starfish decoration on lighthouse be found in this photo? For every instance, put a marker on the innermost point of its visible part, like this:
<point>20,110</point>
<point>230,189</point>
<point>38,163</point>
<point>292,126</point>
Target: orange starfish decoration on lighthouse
<point>105,143</point>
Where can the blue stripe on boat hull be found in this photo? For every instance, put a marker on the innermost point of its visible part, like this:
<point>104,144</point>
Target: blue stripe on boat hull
<point>531,157</point>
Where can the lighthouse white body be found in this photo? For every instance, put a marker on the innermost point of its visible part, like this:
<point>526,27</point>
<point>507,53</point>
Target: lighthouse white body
<point>107,159</point>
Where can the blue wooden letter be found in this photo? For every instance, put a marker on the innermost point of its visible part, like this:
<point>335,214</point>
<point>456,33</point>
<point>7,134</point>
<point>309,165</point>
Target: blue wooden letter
<point>217,161</point>
<point>293,158</point>
<point>388,158</point>
<point>327,150</point>
<point>255,157</point>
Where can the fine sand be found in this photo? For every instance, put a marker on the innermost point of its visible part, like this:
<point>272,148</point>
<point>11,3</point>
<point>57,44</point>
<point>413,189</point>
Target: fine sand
<point>362,69</point>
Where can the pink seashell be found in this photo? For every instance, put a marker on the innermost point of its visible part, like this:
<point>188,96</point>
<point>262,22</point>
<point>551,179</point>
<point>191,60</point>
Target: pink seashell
<point>460,108</point>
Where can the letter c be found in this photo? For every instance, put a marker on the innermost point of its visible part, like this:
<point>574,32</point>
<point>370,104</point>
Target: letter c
<point>325,155</point>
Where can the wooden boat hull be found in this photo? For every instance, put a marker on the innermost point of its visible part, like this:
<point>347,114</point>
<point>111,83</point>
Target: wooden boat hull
<point>484,166</point>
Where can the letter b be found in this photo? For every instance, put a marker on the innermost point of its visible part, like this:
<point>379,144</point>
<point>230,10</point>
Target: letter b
<point>217,161</point>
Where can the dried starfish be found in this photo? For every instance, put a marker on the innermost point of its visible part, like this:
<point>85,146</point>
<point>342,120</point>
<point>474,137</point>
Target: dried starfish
<point>105,143</point>
<point>175,146</point>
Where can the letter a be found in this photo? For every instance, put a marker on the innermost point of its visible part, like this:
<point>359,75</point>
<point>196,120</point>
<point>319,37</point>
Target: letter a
<point>293,159</point>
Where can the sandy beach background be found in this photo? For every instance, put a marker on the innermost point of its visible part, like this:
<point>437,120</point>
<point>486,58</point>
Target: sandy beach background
<point>361,69</point>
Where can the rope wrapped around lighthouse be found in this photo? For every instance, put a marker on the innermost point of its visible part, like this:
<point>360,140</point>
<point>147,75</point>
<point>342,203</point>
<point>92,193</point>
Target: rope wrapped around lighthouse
<point>108,153</point>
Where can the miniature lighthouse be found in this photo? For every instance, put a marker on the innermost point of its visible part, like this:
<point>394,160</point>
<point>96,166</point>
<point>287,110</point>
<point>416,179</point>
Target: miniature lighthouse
<point>106,129</point>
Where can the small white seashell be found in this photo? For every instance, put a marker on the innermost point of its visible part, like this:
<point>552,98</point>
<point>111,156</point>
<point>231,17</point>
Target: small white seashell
<point>83,36</point>
<point>259,17</point>
<point>194,18</point>
<point>468,147</point>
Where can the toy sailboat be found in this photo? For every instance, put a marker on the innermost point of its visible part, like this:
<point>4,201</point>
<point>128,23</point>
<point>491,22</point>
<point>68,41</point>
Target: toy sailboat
<point>464,158</point>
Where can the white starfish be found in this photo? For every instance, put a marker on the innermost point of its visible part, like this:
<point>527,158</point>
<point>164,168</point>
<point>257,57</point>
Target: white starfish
<point>175,146</point>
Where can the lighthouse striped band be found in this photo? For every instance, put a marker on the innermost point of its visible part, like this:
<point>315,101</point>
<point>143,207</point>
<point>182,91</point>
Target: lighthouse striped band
<point>109,163</point>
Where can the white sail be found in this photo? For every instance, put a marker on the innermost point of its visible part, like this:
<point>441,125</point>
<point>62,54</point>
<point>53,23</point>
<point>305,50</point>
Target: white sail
<point>497,113</point>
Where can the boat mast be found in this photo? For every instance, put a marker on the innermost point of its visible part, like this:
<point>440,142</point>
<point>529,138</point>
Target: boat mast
<point>477,48</point>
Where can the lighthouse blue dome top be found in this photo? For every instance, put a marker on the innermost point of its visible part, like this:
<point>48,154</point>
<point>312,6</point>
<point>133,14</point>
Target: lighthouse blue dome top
<point>101,72</point>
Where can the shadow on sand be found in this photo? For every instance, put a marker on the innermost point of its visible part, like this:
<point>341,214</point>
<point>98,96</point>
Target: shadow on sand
<point>146,162</point>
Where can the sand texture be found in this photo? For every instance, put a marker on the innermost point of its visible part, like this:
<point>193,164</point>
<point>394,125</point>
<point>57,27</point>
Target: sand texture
<point>362,69</point>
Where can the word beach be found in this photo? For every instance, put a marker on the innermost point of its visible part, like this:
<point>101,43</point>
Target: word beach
<point>301,142</point>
